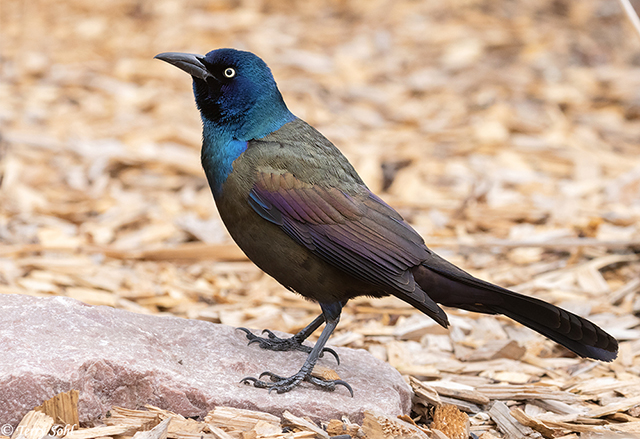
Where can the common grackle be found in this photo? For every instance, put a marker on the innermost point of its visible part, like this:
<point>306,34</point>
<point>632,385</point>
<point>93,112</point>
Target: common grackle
<point>300,212</point>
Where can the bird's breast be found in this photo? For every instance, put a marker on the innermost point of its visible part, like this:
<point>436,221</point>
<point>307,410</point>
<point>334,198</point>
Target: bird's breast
<point>218,161</point>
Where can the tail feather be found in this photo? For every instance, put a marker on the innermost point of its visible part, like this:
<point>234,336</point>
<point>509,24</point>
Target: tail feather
<point>448,285</point>
<point>584,338</point>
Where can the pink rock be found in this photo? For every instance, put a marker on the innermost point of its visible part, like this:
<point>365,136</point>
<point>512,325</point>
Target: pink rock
<point>116,357</point>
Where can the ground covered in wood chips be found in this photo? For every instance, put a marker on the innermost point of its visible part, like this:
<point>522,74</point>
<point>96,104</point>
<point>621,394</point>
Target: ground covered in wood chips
<point>506,132</point>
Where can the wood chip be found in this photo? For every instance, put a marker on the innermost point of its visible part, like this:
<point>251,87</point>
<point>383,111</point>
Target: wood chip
<point>428,395</point>
<point>158,432</point>
<point>621,406</point>
<point>508,424</point>
<point>383,427</point>
<point>325,373</point>
<point>290,419</point>
<point>451,421</point>
<point>34,425</point>
<point>95,432</point>
<point>539,426</point>
<point>451,389</point>
<point>238,419</point>
<point>63,408</point>
<point>337,428</point>
<point>135,419</point>
<point>526,392</point>
<point>219,433</point>
<point>496,349</point>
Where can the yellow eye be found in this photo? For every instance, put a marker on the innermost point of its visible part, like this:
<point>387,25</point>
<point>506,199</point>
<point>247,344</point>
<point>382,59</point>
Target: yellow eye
<point>229,72</point>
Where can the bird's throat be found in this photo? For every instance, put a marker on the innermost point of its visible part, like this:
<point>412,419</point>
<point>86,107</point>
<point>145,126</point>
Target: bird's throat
<point>217,158</point>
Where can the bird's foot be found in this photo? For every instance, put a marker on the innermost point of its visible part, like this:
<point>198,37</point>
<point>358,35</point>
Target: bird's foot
<point>274,343</point>
<point>282,384</point>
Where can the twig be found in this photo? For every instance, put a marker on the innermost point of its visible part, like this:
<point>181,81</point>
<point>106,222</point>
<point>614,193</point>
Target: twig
<point>559,244</point>
<point>632,14</point>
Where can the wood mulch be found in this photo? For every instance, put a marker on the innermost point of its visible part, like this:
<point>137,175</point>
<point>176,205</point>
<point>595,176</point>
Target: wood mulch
<point>506,132</point>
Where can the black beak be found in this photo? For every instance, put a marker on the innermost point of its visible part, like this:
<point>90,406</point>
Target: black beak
<point>188,62</point>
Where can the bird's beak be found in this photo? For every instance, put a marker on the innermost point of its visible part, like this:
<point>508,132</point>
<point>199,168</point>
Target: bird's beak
<point>188,62</point>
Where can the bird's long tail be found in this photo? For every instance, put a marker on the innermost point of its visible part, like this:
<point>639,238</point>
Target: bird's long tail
<point>450,286</point>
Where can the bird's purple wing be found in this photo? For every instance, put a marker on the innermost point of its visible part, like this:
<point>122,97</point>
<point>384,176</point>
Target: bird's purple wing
<point>358,233</point>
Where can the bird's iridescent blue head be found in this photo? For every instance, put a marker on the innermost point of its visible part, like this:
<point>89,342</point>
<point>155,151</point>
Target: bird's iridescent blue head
<point>235,92</point>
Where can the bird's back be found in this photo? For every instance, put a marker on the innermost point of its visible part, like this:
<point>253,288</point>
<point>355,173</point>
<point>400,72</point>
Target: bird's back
<point>301,150</point>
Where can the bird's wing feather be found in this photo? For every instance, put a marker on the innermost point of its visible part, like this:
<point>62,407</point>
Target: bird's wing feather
<point>357,233</point>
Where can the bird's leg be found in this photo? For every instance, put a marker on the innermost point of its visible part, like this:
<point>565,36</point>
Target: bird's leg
<point>274,343</point>
<point>330,314</point>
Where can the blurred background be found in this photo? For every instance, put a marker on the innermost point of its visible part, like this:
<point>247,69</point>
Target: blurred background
<point>507,132</point>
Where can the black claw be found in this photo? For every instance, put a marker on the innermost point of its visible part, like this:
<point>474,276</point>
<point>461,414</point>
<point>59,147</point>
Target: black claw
<point>271,334</point>
<point>282,384</point>
<point>345,384</point>
<point>252,338</point>
<point>328,385</point>
<point>255,382</point>
<point>275,378</point>
<point>274,343</point>
<point>249,334</point>
<point>332,352</point>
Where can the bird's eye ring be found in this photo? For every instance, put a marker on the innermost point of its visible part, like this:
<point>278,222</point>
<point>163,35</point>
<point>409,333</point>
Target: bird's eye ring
<point>229,72</point>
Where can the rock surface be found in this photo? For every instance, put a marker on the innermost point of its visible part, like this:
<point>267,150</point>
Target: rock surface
<point>115,357</point>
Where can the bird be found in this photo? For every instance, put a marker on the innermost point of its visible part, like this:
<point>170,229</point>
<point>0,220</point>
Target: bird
<point>299,210</point>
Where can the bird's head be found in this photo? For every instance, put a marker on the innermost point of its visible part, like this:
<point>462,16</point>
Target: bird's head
<point>235,92</point>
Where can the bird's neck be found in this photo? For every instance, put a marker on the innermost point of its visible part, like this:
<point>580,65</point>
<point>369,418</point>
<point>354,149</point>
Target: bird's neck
<point>267,114</point>
<point>222,146</point>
